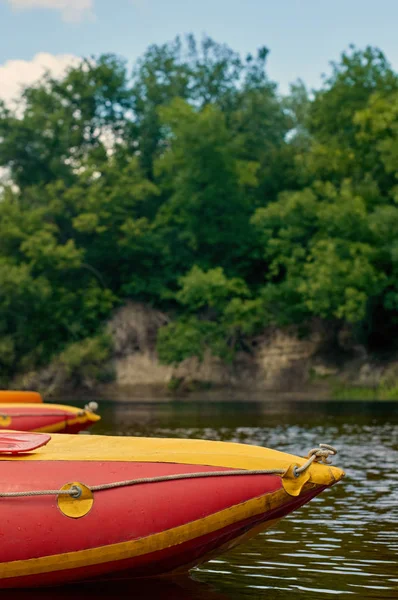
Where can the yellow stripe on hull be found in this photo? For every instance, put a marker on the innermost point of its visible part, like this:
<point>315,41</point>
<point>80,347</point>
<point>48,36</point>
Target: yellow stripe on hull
<point>150,544</point>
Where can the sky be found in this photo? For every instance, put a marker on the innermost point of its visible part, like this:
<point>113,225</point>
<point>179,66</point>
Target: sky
<point>303,35</point>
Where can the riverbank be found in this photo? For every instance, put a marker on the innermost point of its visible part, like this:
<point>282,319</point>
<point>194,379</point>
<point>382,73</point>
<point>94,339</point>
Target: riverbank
<point>288,364</point>
<point>152,395</point>
<point>149,394</point>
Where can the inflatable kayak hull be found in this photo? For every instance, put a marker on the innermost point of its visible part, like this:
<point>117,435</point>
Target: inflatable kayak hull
<point>49,418</point>
<point>11,396</point>
<point>124,525</point>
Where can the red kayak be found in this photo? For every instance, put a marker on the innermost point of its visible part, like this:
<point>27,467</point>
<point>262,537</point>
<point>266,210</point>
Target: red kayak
<point>78,508</point>
<point>51,418</point>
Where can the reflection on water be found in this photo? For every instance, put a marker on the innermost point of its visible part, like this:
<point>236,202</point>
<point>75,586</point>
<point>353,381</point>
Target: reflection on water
<point>183,588</point>
<point>344,543</point>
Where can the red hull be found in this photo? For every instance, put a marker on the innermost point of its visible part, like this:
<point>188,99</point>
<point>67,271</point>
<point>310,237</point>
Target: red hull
<point>122,515</point>
<point>45,418</point>
<point>136,527</point>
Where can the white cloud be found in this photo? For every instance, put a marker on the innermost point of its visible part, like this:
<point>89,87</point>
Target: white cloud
<point>16,74</point>
<point>71,10</point>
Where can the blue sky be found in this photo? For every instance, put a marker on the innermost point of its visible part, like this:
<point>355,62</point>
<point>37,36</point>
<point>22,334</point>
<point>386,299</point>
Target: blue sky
<point>303,35</point>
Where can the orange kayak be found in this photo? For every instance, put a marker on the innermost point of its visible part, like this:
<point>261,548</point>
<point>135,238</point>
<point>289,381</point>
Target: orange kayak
<point>77,508</point>
<point>49,418</point>
<point>11,396</point>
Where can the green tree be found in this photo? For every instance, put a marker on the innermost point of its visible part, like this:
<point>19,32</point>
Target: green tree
<point>320,244</point>
<point>206,216</point>
<point>217,316</point>
<point>60,124</point>
<point>354,79</point>
<point>192,185</point>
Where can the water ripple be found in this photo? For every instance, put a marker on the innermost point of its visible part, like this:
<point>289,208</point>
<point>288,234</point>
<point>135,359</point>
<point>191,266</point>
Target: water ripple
<point>346,541</point>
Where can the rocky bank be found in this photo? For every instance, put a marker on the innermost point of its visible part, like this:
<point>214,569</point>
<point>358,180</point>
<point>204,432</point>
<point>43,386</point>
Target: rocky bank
<point>311,362</point>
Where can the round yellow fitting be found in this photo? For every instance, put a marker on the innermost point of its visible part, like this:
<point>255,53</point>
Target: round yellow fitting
<point>76,506</point>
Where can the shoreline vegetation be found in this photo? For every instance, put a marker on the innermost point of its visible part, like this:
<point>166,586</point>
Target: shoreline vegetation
<point>150,394</point>
<point>185,225</point>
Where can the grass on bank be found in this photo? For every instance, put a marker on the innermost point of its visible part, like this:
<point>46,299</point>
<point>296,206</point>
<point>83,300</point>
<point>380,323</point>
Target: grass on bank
<point>343,392</point>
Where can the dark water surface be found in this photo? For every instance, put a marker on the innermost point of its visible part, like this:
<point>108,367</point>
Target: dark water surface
<point>344,543</point>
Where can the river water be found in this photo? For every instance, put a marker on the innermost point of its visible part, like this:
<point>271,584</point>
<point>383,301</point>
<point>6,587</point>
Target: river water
<point>344,543</point>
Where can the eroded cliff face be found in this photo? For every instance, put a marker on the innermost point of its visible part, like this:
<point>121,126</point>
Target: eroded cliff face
<point>279,360</point>
<point>287,361</point>
<point>133,330</point>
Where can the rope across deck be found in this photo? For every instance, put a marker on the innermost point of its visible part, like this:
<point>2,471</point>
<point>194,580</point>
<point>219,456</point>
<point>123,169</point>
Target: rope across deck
<point>320,454</point>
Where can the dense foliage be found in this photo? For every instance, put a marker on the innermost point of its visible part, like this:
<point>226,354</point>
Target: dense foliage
<point>193,186</point>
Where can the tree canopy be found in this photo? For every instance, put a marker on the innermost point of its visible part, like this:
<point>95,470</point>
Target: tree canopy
<point>192,185</point>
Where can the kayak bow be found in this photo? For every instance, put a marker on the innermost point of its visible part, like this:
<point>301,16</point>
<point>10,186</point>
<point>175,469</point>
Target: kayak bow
<point>91,507</point>
<point>50,418</point>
